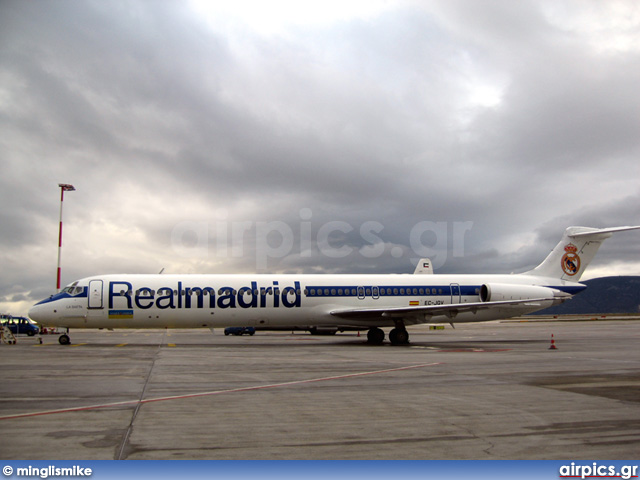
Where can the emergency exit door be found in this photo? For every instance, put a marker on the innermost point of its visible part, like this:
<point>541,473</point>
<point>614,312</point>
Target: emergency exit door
<point>455,293</point>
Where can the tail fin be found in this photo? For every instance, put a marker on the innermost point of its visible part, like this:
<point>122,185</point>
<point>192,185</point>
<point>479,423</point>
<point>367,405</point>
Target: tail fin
<point>569,259</point>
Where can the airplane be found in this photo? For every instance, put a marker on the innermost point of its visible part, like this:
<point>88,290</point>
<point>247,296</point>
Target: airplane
<point>344,301</point>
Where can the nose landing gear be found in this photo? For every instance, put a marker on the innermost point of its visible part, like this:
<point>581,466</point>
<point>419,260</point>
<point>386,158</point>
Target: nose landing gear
<point>64,338</point>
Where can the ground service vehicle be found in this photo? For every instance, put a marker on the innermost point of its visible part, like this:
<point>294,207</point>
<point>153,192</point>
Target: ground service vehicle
<point>19,325</point>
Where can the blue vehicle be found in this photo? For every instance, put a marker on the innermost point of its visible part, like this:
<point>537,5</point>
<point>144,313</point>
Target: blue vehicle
<point>239,330</point>
<point>19,325</point>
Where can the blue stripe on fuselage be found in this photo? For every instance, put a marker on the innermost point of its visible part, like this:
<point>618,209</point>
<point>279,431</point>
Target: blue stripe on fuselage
<point>62,295</point>
<point>387,290</point>
<point>570,289</point>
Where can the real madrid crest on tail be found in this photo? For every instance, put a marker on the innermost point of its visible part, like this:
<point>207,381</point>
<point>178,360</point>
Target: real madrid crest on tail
<point>570,260</point>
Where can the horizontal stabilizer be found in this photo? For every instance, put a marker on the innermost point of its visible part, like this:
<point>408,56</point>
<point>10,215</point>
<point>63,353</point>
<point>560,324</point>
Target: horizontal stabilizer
<point>600,231</point>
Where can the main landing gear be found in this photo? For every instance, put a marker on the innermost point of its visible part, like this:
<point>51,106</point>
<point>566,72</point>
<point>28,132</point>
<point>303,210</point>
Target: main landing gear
<point>375,336</point>
<point>397,336</point>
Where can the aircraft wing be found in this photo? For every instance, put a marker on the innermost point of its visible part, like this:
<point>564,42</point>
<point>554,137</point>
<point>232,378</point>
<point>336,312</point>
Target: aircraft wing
<point>426,311</point>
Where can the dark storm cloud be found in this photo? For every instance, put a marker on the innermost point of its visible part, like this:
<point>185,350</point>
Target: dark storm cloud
<point>495,120</point>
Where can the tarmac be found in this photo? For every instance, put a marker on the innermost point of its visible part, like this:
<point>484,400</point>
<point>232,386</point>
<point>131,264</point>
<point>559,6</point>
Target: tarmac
<point>479,391</point>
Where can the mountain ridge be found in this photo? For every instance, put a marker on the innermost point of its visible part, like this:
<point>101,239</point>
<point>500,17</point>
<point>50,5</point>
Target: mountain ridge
<point>604,295</point>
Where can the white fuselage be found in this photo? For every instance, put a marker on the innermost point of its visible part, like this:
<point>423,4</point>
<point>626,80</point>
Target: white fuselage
<point>193,301</point>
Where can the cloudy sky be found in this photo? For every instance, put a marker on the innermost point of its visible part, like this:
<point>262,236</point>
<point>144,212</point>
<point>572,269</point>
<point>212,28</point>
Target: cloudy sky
<point>285,136</point>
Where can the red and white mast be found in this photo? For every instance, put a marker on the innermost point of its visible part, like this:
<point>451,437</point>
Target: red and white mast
<point>64,187</point>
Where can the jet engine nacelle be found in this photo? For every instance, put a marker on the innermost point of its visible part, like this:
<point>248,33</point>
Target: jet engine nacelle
<point>496,292</point>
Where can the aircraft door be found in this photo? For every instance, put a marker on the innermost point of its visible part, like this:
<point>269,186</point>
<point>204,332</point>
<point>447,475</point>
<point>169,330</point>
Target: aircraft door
<point>95,294</point>
<point>455,293</point>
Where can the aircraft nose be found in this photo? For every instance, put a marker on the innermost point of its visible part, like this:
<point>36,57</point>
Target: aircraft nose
<point>36,313</point>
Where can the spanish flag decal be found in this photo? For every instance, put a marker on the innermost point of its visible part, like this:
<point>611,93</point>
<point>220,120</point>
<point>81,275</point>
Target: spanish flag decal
<point>414,303</point>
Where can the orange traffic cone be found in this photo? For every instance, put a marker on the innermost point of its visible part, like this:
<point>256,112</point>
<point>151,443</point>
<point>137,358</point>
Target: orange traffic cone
<point>553,343</point>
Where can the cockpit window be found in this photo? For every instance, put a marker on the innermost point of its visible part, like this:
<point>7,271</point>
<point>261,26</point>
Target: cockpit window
<point>72,289</point>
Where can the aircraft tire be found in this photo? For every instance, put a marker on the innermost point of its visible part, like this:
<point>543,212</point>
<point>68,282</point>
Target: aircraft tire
<point>399,336</point>
<point>375,336</point>
<point>64,340</point>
